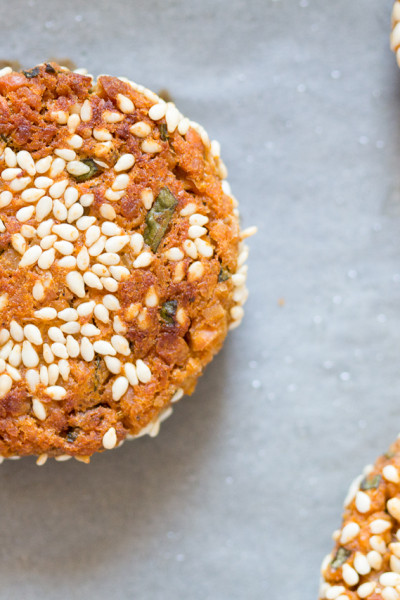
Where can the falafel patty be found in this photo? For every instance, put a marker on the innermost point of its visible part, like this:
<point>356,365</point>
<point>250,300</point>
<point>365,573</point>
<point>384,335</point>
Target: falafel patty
<point>121,261</point>
<point>365,562</point>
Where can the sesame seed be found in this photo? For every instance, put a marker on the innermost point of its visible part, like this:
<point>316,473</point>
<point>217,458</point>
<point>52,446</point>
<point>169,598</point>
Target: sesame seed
<point>92,235</point>
<point>102,135</point>
<point>65,153</point>
<point>33,335</point>
<point>71,195</point>
<point>195,231</point>
<point>112,117</point>
<point>188,210</point>
<point>125,104</point>
<point>110,229</point>
<point>46,314</point>
<point>44,164</point>
<point>43,208</point>
<point>101,313</point>
<point>67,262</point>
<point>118,325</point>
<point>143,260</point>
<point>19,184</point>
<point>102,347</point>
<point>87,350</point>
<point>172,117</point>
<point>119,388</point>
<point>38,409</point>
<point>60,116</point>
<point>58,188</point>
<point>62,457</point>
<point>72,347</point>
<point>5,198</point>
<point>121,345</point>
<point>32,379</point>
<point>111,302</point>
<point>68,314</point>
<point>59,210</point>
<point>92,280</point>
<point>195,271</point>
<point>349,532</point>
<point>57,167</point>
<point>174,254</point>
<point>59,350</point>
<point>43,182</point>
<point>66,232</point>
<point>10,158</point>
<point>84,223</point>
<point>86,111</point>
<point>113,195</point>
<point>70,327</point>
<point>42,458</point>
<point>46,259</point>
<point>15,356</point>
<point>178,395</point>
<point>379,525</point>
<point>109,283</point>
<point>107,212</point>
<point>100,270</point>
<point>90,330</point>
<point>389,579</point>
<point>130,372</point>
<point>75,141</point>
<point>151,299</point>
<point>54,373</point>
<point>143,372</point>
<point>6,349</point>
<point>121,182</point>
<point>32,195</point>
<point>393,506</point>
<point>119,273</point>
<point>395,548</point>
<point>73,122</point>
<point>113,364</point>
<point>31,256</point>
<point>28,231</point>
<point>16,331</point>
<point>366,589</point>
<point>349,574</point>
<point>56,392</point>
<point>116,243</point>
<point>18,243</point>
<point>140,129</point>
<point>77,168</point>
<point>75,283</point>
<point>47,354</point>
<point>5,384</point>
<point>361,564</point>
<point>4,335</point>
<point>29,355</point>
<point>110,439</point>
<point>395,564</point>
<point>56,335</point>
<point>38,291</point>
<point>86,308</point>
<point>389,593</point>
<point>390,473</point>
<point>151,146</point>
<point>45,228</point>
<point>98,247</point>
<point>125,162</point>
<point>86,199</point>
<point>197,219</point>
<point>44,375</point>
<point>183,126</point>
<point>204,248</point>
<point>157,111</point>
<point>10,174</point>
<point>64,368</point>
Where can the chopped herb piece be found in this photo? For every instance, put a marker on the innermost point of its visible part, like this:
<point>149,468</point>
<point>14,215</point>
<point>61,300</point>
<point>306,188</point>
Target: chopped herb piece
<point>168,311</point>
<point>32,73</point>
<point>341,556</point>
<point>163,132</point>
<point>370,483</point>
<point>94,170</point>
<point>49,68</point>
<point>223,275</point>
<point>158,218</point>
<point>72,435</point>
<point>389,454</point>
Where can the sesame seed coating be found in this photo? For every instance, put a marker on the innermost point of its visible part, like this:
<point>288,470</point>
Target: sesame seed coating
<point>120,257</point>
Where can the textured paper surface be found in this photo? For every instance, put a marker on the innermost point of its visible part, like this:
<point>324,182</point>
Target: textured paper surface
<point>237,497</point>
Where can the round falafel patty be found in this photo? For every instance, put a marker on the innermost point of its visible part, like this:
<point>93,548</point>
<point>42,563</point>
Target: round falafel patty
<point>365,562</point>
<point>121,261</point>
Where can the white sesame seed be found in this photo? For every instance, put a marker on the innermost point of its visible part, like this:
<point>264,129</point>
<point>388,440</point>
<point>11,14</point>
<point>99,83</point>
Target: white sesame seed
<point>43,183</point>
<point>32,195</point>
<point>86,308</point>
<point>121,345</point>
<point>113,195</point>
<point>72,347</point>
<point>90,330</point>
<point>110,439</point>
<point>15,356</point>
<point>389,593</point>
<point>183,126</point>
<point>92,280</point>
<point>75,212</point>
<point>125,162</point>
<point>59,210</point>
<point>5,384</point>
<point>178,395</point>
<point>65,153</point>
<point>2,226</point>
<point>118,325</point>
<point>119,388</point>
<point>45,228</point>
<point>41,460</point>
<point>195,271</point>
<point>110,258</point>
<point>151,299</point>
<point>67,262</point>
<point>350,576</point>
<point>151,146</point>
<point>70,327</point>
<point>75,283</point>
<point>361,564</point>
<point>112,117</point>
<point>66,232</point>
<point>111,302</point>
<point>5,198</point>
<point>83,259</point>
<point>86,199</point>
<point>141,129</point>
<point>125,104</point>
<point>60,116</point>
<point>29,355</point>
<point>46,314</point>
<point>58,188</point>
<point>10,157</point>
<point>87,350</point>
<point>71,196</point>
<point>157,111</point>
<point>172,117</point>
<point>65,248</point>
<point>31,256</point>
<point>33,335</point>
<point>101,313</point>
<point>68,314</point>
<point>77,168</point>
<point>56,392</point>
<point>57,167</point>
<point>75,141</point>
<point>32,379</point>
<point>46,259</point>
<point>190,248</point>
<point>174,254</point>
<point>102,347</point>
<point>64,368</point>
<point>389,579</point>
<point>363,502</point>
<point>28,231</point>
<point>334,591</point>
<point>195,231</point>
<point>59,350</point>
<point>86,111</point>
<point>143,372</point>
<point>18,242</point>
<point>98,247</point>
<point>109,284</point>
<point>102,135</point>
<point>147,198</point>
<point>366,589</point>
<point>379,526</point>
<point>393,506</point>
<point>38,291</point>
<point>113,364</point>
<point>395,564</point>
<point>130,372</point>
<point>38,409</point>
<point>110,229</point>
<point>188,210</point>
<point>16,331</point>
<point>121,182</point>
<point>56,335</point>
<point>43,208</point>
<point>62,457</point>
<point>6,349</point>
<point>48,241</point>
<point>119,273</point>
<point>204,248</point>
<point>4,335</point>
<point>13,372</point>
<point>107,212</point>
<point>44,375</point>
<point>143,260</point>
<point>349,532</point>
<point>10,174</point>
<point>100,270</point>
<point>19,184</point>
<point>53,372</point>
<point>390,473</point>
<point>92,235</point>
<point>44,164</point>
<point>73,122</point>
<point>116,243</point>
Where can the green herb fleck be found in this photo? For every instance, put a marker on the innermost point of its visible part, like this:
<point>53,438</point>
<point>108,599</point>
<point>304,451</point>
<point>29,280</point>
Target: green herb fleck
<point>168,311</point>
<point>340,558</point>
<point>389,454</point>
<point>32,73</point>
<point>158,218</point>
<point>94,170</point>
<point>370,483</point>
<point>164,132</point>
<point>72,434</point>
<point>223,275</point>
